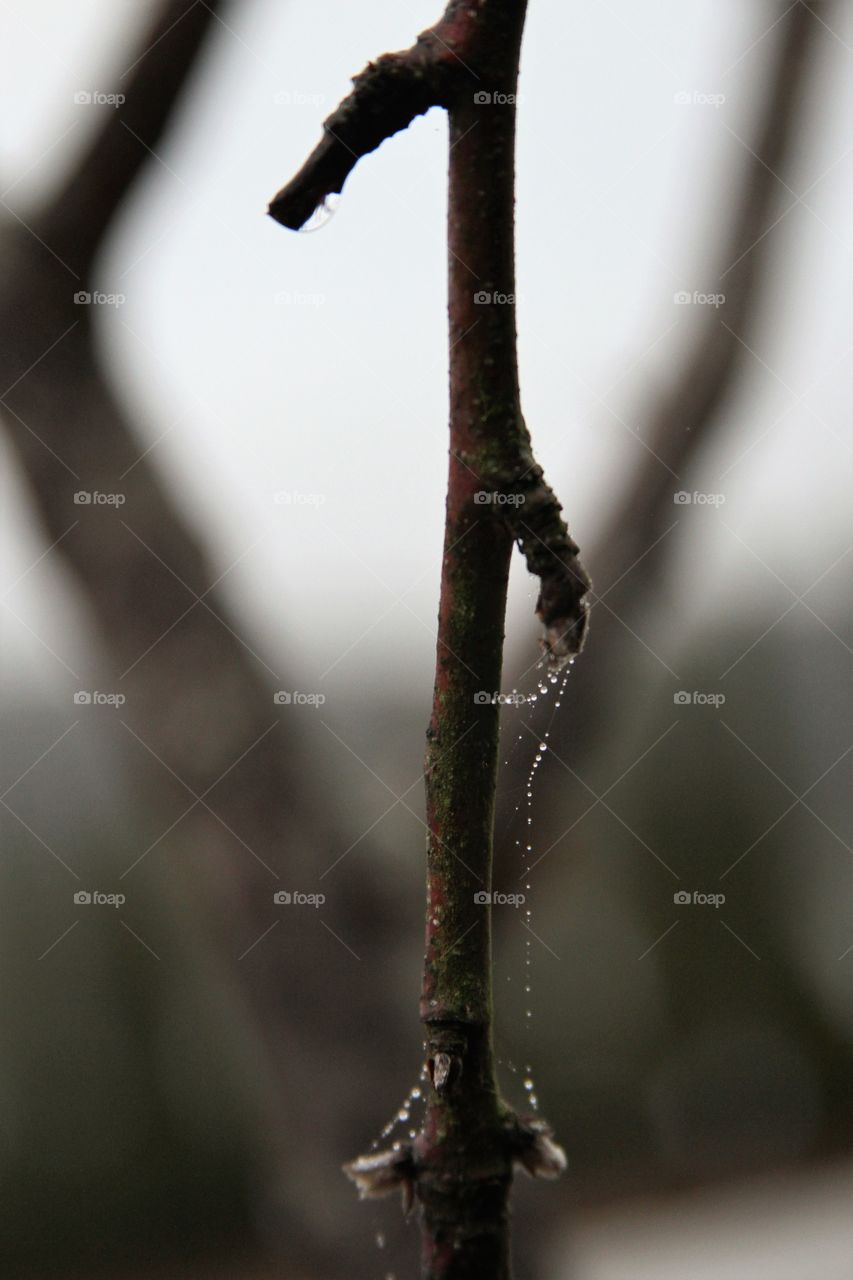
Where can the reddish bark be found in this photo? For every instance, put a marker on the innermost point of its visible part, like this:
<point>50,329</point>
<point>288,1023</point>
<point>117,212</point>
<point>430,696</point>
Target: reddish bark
<point>461,1162</point>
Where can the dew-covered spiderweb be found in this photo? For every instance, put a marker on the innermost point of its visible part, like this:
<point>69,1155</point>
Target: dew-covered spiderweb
<point>527,723</point>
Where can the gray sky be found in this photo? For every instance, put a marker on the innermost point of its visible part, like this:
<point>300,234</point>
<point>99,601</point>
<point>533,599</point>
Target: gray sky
<point>261,361</point>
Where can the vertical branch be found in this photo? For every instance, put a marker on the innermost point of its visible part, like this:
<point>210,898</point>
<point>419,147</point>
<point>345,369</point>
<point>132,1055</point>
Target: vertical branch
<point>462,1155</point>
<point>460,1166</point>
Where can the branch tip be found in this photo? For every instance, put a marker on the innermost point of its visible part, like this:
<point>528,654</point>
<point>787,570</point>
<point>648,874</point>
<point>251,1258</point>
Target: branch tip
<point>534,1148</point>
<point>382,1172</point>
<point>386,97</point>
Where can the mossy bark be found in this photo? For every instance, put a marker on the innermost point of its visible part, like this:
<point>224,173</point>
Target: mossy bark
<point>463,1158</point>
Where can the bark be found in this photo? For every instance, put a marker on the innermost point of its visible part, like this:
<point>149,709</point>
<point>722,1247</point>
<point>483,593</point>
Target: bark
<point>460,1166</point>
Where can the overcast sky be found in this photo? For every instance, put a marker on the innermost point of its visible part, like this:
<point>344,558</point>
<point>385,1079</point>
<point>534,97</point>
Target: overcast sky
<point>262,361</point>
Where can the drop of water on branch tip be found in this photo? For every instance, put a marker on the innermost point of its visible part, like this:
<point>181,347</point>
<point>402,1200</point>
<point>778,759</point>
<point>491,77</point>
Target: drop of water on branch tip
<point>321,214</point>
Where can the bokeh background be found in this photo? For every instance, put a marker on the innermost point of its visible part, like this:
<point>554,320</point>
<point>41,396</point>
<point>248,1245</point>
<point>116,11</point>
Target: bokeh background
<point>260,418</point>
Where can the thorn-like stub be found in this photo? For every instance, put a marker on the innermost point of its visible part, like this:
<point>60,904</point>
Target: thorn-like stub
<point>442,1066</point>
<point>534,1148</point>
<point>383,1172</point>
<point>444,1070</point>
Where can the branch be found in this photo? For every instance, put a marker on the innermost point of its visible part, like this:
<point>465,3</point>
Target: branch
<point>461,1163</point>
<point>76,220</point>
<point>449,65</point>
<point>386,97</point>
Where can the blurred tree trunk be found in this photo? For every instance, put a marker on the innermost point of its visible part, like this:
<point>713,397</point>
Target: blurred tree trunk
<point>206,739</point>
<point>629,562</point>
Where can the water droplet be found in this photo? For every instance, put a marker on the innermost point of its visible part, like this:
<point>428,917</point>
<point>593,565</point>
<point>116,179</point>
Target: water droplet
<point>321,214</point>
<point>380,1240</point>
